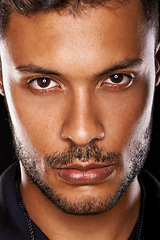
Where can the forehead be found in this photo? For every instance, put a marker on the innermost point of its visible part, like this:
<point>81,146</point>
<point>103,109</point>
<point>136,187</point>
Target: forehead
<point>63,38</point>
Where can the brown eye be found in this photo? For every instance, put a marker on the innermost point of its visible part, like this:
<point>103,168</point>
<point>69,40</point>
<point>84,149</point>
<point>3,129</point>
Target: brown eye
<point>43,84</point>
<point>119,80</point>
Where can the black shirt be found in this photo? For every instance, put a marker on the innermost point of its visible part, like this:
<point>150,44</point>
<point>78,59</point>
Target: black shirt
<point>13,225</point>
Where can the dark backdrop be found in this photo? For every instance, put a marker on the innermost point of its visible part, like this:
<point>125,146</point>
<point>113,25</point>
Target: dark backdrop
<point>152,162</point>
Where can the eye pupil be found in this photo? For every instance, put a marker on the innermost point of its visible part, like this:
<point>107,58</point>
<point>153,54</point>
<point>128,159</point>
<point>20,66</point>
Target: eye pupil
<point>117,78</point>
<point>44,82</point>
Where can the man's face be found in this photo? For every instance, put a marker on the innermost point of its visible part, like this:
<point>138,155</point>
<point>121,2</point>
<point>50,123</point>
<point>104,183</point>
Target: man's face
<point>79,92</point>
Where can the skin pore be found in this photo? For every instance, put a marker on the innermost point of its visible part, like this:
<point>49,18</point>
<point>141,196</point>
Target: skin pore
<point>81,86</point>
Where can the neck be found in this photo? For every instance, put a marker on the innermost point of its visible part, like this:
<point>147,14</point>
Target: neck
<point>116,223</point>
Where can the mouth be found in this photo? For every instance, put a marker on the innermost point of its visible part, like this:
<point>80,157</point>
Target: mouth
<point>85,175</point>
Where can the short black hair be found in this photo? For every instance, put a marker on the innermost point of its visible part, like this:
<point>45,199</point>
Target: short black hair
<point>27,7</point>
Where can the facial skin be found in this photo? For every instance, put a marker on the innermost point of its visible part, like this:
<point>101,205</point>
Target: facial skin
<point>80,106</point>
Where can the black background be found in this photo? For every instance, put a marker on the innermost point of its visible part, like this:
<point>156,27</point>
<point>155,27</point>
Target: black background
<point>152,162</point>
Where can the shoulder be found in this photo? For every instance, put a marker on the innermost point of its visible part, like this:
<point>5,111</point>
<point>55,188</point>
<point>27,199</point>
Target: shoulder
<point>151,186</point>
<point>12,222</point>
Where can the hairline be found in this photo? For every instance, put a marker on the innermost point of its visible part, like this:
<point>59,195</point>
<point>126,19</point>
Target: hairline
<point>77,10</point>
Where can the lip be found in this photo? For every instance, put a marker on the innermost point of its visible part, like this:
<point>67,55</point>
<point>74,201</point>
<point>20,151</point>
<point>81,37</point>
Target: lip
<point>85,175</point>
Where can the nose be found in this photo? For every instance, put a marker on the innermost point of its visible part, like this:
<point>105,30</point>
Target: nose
<point>82,124</point>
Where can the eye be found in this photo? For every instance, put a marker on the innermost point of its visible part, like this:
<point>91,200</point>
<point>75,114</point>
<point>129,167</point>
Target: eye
<point>119,80</point>
<point>43,83</point>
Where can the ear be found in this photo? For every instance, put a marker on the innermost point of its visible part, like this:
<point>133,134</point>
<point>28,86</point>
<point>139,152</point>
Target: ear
<point>1,80</point>
<point>158,63</point>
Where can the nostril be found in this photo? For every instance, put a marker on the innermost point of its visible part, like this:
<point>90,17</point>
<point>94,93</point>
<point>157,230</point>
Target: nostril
<point>101,136</point>
<point>82,136</point>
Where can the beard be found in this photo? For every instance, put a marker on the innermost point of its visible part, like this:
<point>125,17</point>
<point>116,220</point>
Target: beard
<point>138,151</point>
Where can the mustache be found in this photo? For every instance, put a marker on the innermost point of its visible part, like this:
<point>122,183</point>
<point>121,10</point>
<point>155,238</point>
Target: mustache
<point>83,154</point>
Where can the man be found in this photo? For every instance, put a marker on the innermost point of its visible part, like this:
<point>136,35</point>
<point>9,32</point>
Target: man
<point>79,78</point>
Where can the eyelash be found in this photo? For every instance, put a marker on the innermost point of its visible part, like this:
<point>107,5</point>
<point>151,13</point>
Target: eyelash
<point>127,80</point>
<point>46,81</point>
<point>43,81</point>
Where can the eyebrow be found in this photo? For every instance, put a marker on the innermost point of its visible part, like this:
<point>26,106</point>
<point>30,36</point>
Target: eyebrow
<point>31,68</point>
<point>122,65</point>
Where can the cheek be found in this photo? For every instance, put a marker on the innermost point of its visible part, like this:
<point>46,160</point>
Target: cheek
<point>36,119</point>
<point>126,112</point>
